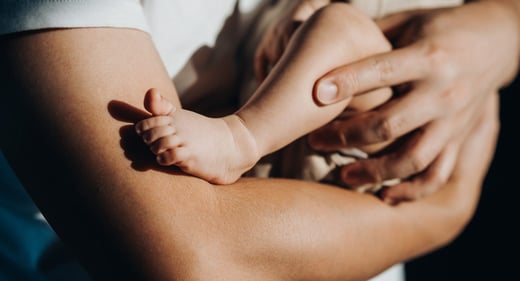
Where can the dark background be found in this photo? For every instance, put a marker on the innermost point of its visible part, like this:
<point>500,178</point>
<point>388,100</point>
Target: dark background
<point>488,247</point>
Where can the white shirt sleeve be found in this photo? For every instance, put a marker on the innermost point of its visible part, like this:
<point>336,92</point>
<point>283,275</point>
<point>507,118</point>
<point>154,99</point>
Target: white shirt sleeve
<point>24,15</point>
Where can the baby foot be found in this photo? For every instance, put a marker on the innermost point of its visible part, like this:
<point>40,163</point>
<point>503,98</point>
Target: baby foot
<point>218,150</point>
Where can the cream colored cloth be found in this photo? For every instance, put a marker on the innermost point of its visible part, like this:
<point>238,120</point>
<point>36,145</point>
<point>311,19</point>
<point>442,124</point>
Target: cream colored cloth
<point>381,8</point>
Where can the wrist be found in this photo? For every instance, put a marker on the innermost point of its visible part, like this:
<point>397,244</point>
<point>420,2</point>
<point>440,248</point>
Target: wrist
<point>508,8</point>
<point>508,13</point>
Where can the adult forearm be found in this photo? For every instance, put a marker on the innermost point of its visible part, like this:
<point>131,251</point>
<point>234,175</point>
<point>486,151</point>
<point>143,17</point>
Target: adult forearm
<point>323,233</point>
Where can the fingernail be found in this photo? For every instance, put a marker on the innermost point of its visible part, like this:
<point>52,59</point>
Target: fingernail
<point>137,129</point>
<point>327,92</point>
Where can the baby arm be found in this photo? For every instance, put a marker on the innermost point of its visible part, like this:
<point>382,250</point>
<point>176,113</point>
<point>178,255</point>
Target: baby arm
<point>220,150</point>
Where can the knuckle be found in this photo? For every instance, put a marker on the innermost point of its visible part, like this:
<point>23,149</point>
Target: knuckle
<point>349,81</point>
<point>388,128</point>
<point>440,63</point>
<point>433,53</point>
<point>383,69</point>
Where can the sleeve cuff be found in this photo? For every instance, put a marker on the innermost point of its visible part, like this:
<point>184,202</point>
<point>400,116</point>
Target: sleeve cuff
<point>20,15</point>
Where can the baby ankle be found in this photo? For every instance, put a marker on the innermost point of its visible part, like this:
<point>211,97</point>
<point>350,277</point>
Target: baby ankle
<point>244,139</point>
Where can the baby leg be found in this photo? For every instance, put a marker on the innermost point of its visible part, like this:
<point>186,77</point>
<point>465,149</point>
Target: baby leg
<point>283,109</point>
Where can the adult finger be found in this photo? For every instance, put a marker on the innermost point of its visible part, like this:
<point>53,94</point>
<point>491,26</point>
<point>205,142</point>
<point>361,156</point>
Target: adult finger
<point>438,173</point>
<point>476,151</point>
<point>381,70</point>
<point>407,159</point>
<point>391,121</point>
<point>425,183</point>
<point>414,155</point>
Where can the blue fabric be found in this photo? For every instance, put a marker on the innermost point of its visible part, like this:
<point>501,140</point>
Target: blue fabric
<point>29,248</point>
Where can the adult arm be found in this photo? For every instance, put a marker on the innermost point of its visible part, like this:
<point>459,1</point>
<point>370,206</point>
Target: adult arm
<point>445,64</point>
<point>69,98</point>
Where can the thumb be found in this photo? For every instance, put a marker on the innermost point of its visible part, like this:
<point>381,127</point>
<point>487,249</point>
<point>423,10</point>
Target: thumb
<point>326,92</point>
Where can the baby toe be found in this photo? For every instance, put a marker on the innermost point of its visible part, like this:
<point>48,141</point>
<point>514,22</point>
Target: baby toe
<point>165,143</point>
<point>176,156</point>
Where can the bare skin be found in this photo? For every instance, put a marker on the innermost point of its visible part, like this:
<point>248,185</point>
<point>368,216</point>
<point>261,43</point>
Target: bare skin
<point>144,222</point>
<point>220,150</point>
<point>451,70</point>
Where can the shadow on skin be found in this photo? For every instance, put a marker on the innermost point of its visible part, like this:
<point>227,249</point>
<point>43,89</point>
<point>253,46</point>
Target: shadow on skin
<point>134,148</point>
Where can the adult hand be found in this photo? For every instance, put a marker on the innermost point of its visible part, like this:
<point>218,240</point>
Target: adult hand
<point>445,64</point>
